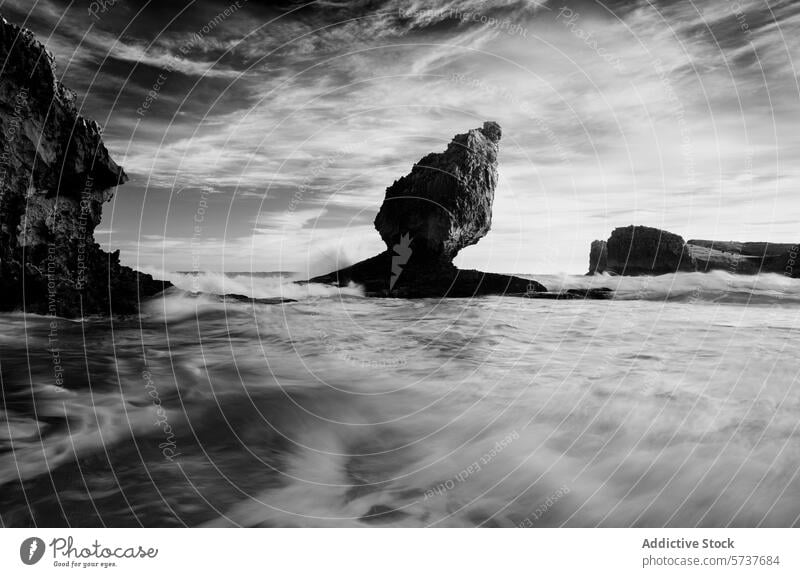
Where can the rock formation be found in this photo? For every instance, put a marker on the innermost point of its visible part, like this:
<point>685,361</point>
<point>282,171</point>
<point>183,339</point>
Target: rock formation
<point>55,175</point>
<point>598,256</point>
<point>745,257</point>
<point>427,216</point>
<point>445,203</point>
<point>641,250</point>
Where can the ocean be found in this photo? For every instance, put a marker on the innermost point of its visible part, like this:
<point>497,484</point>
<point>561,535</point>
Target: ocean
<point>674,404</point>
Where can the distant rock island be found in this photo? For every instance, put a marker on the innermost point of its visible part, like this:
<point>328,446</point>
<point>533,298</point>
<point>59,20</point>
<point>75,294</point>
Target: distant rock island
<point>443,205</point>
<point>643,250</point>
<point>55,175</point>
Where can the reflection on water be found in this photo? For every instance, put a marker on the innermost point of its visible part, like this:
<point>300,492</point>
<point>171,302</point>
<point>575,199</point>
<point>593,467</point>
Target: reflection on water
<point>675,405</point>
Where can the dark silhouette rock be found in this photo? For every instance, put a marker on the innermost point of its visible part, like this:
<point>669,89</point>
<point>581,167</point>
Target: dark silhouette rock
<point>445,203</point>
<point>55,175</point>
<point>598,256</point>
<point>641,250</point>
<point>442,206</point>
<point>424,279</point>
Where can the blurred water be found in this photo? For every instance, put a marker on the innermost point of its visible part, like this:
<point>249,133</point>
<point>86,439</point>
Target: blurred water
<point>674,405</point>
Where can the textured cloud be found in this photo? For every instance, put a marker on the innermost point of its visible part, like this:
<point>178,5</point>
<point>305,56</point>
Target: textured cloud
<point>674,114</point>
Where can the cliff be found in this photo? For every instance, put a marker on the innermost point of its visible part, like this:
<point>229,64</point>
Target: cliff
<point>745,257</point>
<point>641,250</point>
<point>443,205</point>
<point>598,256</point>
<point>55,175</point>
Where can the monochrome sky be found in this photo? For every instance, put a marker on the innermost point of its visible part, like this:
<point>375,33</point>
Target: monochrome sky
<point>273,132</point>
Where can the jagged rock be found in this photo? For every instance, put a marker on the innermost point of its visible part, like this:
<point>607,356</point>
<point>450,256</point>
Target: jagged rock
<point>442,206</point>
<point>598,257</point>
<point>445,203</point>
<point>642,250</point>
<point>55,175</point>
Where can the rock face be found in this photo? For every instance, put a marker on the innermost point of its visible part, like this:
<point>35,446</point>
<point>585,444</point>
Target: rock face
<point>445,203</point>
<point>55,175</point>
<point>745,257</point>
<point>598,256</point>
<point>641,250</point>
<point>427,216</point>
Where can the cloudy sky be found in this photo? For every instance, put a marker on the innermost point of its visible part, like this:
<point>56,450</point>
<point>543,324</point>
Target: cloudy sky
<point>261,136</point>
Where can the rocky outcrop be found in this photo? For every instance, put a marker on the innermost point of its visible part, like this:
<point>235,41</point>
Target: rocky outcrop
<point>55,175</point>
<point>641,250</point>
<point>598,256</point>
<point>443,205</point>
<point>745,257</point>
<point>424,279</point>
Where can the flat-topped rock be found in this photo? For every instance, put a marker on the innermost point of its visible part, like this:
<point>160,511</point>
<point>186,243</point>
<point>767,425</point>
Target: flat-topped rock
<point>641,250</point>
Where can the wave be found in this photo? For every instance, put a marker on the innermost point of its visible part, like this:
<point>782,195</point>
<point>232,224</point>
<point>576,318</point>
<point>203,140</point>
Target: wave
<point>452,412</point>
<point>197,293</point>
<point>255,285</point>
<point>715,286</point>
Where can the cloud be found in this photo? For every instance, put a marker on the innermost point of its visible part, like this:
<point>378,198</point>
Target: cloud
<point>674,114</point>
<point>288,221</point>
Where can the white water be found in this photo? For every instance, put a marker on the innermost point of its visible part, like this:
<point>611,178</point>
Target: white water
<point>675,404</point>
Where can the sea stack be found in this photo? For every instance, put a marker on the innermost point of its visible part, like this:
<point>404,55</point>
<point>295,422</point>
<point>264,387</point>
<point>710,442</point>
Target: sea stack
<point>443,205</point>
<point>642,250</point>
<point>55,175</point>
<point>598,256</point>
